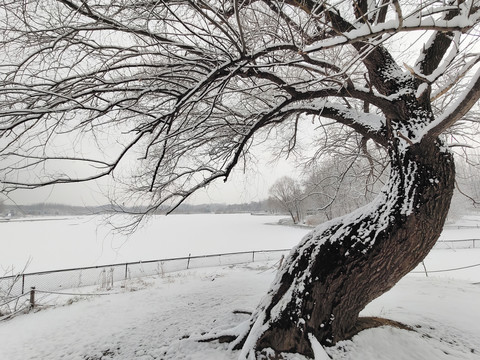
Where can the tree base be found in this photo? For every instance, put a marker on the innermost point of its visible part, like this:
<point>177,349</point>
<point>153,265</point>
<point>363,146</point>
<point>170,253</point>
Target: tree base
<point>363,323</point>
<point>370,322</point>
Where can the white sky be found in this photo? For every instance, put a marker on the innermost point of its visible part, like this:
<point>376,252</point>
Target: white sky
<point>241,187</point>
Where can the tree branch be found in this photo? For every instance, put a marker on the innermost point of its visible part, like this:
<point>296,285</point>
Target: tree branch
<point>458,110</point>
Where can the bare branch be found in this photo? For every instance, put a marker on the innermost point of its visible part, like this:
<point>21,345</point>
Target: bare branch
<point>181,89</point>
<point>459,109</point>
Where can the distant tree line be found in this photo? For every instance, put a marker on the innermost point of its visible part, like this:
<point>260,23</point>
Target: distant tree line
<point>218,208</point>
<point>329,188</point>
<point>340,184</point>
<point>53,209</point>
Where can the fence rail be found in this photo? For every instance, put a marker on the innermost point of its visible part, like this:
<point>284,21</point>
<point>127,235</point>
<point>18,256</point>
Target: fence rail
<point>16,289</point>
<point>105,275</point>
<point>457,244</point>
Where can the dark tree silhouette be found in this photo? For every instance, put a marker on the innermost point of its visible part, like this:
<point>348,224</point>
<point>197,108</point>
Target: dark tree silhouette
<point>176,92</point>
<point>288,195</point>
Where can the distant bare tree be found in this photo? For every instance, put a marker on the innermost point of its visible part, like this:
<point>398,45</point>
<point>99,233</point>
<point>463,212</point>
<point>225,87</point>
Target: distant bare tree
<point>12,304</point>
<point>175,94</point>
<point>343,181</point>
<point>467,190</point>
<point>289,196</point>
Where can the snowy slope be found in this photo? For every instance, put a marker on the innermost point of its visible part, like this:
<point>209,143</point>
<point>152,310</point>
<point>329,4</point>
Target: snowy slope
<point>162,318</point>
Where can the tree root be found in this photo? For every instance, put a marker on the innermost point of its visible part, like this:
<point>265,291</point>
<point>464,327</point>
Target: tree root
<point>363,323</point>
<point>370,322</point>
<point>220,339</point>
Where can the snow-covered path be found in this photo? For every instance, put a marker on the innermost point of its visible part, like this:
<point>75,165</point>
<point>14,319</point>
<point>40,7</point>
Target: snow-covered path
<point>158,317</point>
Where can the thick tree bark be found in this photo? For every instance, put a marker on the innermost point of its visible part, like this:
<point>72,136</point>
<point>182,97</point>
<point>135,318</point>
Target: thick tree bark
<point>343,265</point>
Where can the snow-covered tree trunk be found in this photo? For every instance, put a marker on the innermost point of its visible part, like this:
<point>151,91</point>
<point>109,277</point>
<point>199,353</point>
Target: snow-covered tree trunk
<point>342,265</point>
<point>188,88</point>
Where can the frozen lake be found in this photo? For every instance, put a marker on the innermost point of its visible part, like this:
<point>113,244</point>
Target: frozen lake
<point>88,241</point>
<point>148,321</point>
<point>62,243</point>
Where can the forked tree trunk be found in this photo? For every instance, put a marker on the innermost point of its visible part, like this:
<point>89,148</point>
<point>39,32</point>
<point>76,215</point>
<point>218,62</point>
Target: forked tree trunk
<point>346,263</point>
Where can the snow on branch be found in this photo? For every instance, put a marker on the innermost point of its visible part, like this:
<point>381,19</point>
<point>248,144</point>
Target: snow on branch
<point>458,109</point>
<point>368,124</point>
<point>417,21</point>
<point>178,91</point>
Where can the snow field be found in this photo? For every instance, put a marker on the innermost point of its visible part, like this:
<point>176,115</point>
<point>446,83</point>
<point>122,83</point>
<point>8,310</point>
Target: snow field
<point>163,317</point>
<point>89,241</point>
<point>145,324</point>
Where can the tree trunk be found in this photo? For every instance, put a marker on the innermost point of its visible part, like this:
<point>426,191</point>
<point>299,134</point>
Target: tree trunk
<point>344,264</point>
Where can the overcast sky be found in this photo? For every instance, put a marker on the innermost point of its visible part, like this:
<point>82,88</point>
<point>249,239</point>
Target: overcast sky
<point>241,187</point>
<point>251,186</point>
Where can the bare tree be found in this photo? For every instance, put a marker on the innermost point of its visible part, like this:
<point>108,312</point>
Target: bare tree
<point>289,196</point>
<point>466,197</point>
<point>176,92</point>
<point>338,183</point>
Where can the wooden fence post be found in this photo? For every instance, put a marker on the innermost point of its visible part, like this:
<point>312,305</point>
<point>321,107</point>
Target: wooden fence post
<point>32,297</point>
<point>188,262</point>
<point>425,268</point>
<point>110,279</point>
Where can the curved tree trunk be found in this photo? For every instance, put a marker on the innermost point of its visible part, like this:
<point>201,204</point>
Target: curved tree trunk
<point>344,264</point>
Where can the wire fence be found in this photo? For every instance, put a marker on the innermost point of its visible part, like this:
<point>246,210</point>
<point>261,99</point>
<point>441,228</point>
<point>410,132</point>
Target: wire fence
<point>471,226</point>
<point>458,244</point>
<point>17,291</point>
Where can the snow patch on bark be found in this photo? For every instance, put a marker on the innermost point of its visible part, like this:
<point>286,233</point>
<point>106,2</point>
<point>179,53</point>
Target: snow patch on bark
<point>354,233</point>
<point>449,112</point>
<point>318,350</point>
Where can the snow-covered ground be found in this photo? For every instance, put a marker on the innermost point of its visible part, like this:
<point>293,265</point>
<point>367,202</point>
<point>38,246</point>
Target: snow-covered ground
<point>161,317</point>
